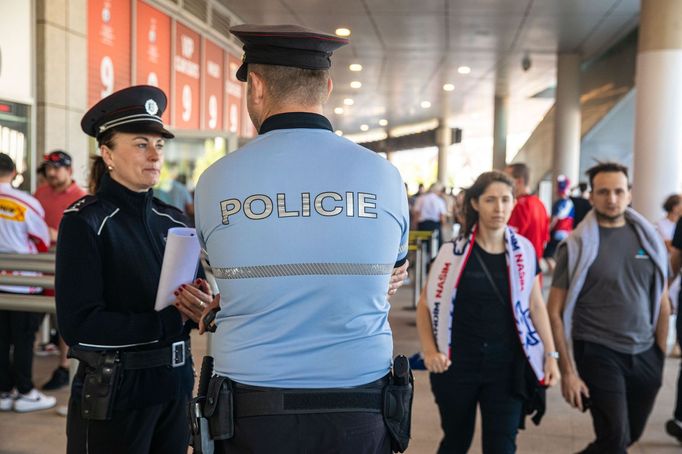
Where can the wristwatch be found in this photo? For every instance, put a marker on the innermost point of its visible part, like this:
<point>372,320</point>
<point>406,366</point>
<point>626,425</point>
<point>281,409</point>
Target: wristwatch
<point>554,355</point>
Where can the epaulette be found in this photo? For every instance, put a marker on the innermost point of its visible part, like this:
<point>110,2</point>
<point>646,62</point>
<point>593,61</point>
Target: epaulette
<point>81,203</point>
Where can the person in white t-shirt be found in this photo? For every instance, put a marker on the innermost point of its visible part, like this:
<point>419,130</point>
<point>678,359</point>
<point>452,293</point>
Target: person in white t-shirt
<point>22,231</point>
<point>430,211</point>
<point>666,225</point>
<point>666,228</point>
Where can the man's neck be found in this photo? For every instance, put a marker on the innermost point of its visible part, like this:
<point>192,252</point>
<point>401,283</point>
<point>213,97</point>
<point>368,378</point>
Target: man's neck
<point>523,191</point>
<point>288,108</point>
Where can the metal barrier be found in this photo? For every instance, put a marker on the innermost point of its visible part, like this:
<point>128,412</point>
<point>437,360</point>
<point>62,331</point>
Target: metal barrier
<point>42,263</point>
<point>419,244</point>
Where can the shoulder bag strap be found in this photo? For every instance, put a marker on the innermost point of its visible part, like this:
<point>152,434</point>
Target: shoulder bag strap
<point>490,278</point>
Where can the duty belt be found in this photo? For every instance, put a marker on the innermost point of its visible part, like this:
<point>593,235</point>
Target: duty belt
<point>174,355</point>
<point>259,401</point>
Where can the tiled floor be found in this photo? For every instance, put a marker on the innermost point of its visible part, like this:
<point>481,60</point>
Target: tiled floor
<point>563,429</point>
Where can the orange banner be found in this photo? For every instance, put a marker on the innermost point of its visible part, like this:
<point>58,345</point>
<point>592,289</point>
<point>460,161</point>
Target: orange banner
<point>233,94</point>
<point>186,67</point>
<point>153,30</point>
<point>212,73</point>
<point>108,47</point>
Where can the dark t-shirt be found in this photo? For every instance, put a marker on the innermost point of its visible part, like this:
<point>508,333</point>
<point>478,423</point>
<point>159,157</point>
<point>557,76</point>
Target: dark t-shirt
<point>479,317</point>
<point>614,306</point>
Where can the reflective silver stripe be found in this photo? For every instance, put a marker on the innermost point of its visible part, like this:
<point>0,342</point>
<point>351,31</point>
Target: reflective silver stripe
<point>129,119</point>
<point>106,219</point>
<point>117,346</point>
<point>304,269</point>
<point>169,217</point>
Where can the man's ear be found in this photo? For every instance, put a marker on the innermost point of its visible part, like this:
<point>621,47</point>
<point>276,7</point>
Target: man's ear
<point>330,87</point>
<point>257,87</point>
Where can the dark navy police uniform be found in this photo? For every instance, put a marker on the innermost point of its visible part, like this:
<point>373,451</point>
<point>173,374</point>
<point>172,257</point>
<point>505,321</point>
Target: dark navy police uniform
<point>109,256</point>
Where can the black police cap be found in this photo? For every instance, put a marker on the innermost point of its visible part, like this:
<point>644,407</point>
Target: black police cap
<point>133,109</point>
<point>285,45</point>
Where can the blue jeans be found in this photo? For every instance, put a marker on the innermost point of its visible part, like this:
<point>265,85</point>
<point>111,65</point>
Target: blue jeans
<point>486,380</point>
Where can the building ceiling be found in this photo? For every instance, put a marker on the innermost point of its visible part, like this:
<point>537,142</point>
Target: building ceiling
<point>410,48</point>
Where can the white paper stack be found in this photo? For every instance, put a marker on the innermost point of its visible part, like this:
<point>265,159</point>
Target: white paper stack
<point>180,263</point>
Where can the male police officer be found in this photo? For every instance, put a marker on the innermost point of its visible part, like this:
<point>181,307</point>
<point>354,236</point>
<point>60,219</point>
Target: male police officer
<point>303,229</point>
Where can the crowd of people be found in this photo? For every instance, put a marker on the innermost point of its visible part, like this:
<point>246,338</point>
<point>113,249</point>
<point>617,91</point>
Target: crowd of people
<point>306,256</point>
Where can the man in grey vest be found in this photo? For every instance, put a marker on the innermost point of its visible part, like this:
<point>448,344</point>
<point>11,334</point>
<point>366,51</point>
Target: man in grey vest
<point>609,296</point>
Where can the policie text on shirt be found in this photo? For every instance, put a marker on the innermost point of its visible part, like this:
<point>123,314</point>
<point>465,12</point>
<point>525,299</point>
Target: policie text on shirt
<point>260,206</point>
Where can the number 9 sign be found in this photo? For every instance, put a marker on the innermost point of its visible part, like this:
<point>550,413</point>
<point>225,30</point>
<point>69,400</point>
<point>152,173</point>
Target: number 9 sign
<point>153,79</point>
<point>186,103</point>
<point>212,112</point>
<point>106,74</point>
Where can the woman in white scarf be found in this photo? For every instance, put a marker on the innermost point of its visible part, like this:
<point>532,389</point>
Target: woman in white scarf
<point>481,318</point>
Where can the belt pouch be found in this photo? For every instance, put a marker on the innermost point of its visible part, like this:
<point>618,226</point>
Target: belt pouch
<point>99,388</point>
<point>219,408</point>
<point>397,413</point>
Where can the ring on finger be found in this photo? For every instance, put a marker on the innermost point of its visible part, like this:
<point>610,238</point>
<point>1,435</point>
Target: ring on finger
<point>202,304</point>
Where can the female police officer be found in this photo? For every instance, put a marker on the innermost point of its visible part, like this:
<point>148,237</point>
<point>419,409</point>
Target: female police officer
<point>130,392</point>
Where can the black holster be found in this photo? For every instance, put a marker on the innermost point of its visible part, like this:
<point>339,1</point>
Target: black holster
<point>103,372</point>
<point>219,408</point>
<point>397,411</point>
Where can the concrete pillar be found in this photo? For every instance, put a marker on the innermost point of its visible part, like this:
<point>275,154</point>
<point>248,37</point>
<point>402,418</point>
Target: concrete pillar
<point>500,132</point>
<point>444,138</point>
<point>658,136</point>
<point>443,141</point>
<point>566,159</point>
<point>61,79</point>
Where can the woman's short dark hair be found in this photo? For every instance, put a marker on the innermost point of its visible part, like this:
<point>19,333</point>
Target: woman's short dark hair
<point>107,138</point>
<point>671,202</point>
<point>476,190</point>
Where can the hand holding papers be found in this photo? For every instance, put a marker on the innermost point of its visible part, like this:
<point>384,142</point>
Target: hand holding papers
<point>180,263</point>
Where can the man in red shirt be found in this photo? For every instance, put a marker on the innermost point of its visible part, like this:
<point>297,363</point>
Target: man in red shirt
<point>529,217</point>
<point>59,192</point>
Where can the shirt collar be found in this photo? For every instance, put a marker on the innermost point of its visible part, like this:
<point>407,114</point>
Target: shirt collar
<point>293,120</point>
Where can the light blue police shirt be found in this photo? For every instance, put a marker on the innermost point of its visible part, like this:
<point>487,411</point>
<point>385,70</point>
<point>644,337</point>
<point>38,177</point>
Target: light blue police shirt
<point>302,230</point>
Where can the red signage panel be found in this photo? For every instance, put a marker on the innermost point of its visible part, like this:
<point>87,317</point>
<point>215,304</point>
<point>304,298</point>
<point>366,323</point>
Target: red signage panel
<point>108,47</point>
<point>186,67</point>
<point>234,90</point>
<point>153,30</point>
<point>212,73</point>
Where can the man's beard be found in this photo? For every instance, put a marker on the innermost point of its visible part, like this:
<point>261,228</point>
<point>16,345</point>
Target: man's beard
<point>606,217</point>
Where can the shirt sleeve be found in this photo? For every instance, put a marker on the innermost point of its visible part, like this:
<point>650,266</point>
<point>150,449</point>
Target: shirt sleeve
<point>560,278</point>
<point>677,236</point>
<point>38,231</point>
<point>82,313</point>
